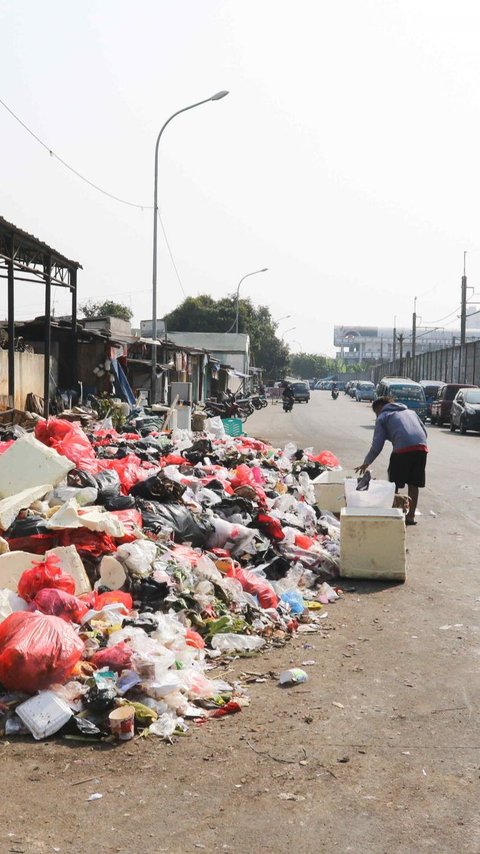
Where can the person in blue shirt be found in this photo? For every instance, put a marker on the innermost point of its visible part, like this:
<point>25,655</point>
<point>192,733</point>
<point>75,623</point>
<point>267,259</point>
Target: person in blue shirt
<point>403,428</point>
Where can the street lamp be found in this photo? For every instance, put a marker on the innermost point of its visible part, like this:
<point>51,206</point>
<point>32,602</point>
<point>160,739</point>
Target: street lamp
<point>285,317</point>
<point>288,330</point>
<point>153,386</point>
<point>253,273</point>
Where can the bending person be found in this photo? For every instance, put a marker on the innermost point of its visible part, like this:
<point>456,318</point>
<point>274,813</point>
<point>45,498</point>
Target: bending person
<point>403,428</point>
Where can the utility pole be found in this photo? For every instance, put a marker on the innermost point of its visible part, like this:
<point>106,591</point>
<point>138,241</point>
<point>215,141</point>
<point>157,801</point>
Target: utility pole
<point>463,314</point>
<point>414,336</point>
<point>394,346</point>
<point>400,341</point>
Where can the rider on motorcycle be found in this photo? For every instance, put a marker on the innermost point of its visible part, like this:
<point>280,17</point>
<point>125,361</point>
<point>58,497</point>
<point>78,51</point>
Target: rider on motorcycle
<point>334,391</point>
<point>288,396</point>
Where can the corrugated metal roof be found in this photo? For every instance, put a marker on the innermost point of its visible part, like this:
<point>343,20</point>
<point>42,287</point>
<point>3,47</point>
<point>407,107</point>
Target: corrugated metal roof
<point>35,243</point>
<point>218,342</point>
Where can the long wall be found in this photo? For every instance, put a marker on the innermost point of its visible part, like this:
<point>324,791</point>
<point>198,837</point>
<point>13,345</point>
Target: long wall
<point>28,377</point>
<point>460,364</point>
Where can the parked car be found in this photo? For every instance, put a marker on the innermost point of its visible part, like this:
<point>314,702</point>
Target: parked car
<point>406,391</point>
<point>431,389</point>
<point>301,392</point>
<point>365,391</point>
<point>465,412</point>
<point>347,387</point>
<point>442,405</point>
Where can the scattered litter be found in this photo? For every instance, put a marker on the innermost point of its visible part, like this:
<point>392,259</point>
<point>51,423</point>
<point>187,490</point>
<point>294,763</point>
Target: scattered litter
<point>290,796</point>
<point>133,562</point>
<point>338,705</point>
<point>95,797</point>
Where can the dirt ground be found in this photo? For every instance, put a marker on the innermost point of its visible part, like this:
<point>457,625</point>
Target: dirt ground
<point>377,753</point>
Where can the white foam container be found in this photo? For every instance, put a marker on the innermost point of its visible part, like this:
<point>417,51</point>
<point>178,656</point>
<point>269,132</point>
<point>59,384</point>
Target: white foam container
<point>44,714</point>
<point>329,489</point>
<point>372,543</point>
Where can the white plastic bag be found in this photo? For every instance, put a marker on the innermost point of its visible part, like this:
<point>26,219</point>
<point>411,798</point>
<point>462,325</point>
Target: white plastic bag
<point>380,493</point>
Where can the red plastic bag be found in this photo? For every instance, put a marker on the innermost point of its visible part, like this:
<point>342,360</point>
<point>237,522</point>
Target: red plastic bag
<point>36,544</point>
<point>57,603</point>
<point>129,470</point>
<point>192,638</point>
<point>270,526</point>
<point>112,596</point>
<point>258,587</point>
<point>69,440</point>
<point>117,657</point>
<point>130,519</point>
<point>36,651</point>
<point>44,573</point>
<point>326,458</point>
<point>88,543</point>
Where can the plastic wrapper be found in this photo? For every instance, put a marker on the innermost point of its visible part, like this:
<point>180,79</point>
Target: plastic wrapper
<point>258,587</point>
<point>36,651</point>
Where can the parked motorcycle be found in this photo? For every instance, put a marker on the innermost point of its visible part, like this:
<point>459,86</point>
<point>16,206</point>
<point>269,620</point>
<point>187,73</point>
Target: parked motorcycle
<point>259,402</point>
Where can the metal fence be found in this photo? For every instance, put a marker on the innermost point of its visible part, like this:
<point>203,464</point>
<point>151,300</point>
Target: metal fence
<point>460,364</point>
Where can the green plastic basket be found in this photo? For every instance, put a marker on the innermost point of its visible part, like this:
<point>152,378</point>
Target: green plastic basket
<point>233,426</point>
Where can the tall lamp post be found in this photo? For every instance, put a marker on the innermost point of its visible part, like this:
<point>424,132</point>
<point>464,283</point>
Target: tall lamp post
<point>288,330</point>
<point>153,386</point>
<point>253,273</point>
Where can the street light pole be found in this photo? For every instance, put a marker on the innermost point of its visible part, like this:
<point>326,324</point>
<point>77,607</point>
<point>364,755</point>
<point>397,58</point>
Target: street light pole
<point>153,386</point>
<point>288,330</point>
<point>414,336</point>
<point>254,273</point>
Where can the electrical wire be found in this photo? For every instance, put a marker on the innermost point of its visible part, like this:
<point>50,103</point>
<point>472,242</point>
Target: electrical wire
<point>96,187</point>
<point>71,168</point>
<point>432,322</point>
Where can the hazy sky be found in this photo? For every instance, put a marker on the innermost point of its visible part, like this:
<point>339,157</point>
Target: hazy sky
<point>345,158</point>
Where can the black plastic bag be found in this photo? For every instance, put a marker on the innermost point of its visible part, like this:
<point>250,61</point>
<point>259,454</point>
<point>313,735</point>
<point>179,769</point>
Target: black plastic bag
<point>186,527</point>
<point>81,479</point>
<point>99,698</point>
<point>27,527</point>
<point>158,488</point>
<point>108,484</point>
<point>120,502</point>
<point>150,594</point>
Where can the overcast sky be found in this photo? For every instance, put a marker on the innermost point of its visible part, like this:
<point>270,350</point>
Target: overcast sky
<point>345,158</point>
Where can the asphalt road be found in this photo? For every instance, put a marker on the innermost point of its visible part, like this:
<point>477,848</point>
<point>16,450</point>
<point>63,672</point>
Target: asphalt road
<point>379,753</point>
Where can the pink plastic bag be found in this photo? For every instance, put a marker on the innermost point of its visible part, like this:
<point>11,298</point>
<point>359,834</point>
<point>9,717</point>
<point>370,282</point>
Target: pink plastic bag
<point>36,651</point>
<point>117,657</point>
<point>57,603</point>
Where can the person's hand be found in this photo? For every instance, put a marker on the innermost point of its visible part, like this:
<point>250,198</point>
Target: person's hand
<point>361,469</point>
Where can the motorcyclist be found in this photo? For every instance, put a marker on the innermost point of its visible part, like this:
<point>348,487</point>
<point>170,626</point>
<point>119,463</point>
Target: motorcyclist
<point>334,391</point>
<point>288,397</point>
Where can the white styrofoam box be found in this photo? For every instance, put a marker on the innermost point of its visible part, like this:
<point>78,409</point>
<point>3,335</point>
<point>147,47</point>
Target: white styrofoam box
<point>13,565</point>
<point>71,563</point>
<point>372,543</point>
<point>329,489</point>
<point>10,507</point>
<point>29,463</point>
<point>380,493</point>
<point>44,714</point>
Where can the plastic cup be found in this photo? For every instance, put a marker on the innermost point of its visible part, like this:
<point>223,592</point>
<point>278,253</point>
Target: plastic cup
<point>122,722</point>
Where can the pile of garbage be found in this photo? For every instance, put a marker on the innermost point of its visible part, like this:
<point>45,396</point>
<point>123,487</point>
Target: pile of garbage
<point>132,563</point>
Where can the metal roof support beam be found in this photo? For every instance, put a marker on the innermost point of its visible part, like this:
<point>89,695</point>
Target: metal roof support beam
<point>47,335</point>
<point>11,328</point>
<point>73,288</point>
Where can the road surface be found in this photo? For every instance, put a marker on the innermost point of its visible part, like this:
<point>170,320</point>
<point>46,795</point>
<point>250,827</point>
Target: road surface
<point>379,753</point>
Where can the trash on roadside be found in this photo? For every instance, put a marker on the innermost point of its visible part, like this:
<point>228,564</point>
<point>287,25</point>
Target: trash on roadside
<point>294,676</point>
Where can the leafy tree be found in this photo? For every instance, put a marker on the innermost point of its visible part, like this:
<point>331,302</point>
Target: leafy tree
<point>204,314</point>
<point>108,308</point>
<point>310,365</point>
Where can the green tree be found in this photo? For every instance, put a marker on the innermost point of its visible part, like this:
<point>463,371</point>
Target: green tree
<point>108,308</point>
<point>310,365</point>
<point>204,314</point>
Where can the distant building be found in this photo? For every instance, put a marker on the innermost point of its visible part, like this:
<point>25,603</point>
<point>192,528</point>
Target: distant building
<point>375,343</point>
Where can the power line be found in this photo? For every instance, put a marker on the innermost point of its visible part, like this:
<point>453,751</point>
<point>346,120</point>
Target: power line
<point>432,322</point>
<point>71,168</point>
<point>95,186</point>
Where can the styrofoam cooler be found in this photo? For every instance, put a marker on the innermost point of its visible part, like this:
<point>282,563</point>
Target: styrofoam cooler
<point>380,493</point>
<point>330,489</point>
<point>372,543</point>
